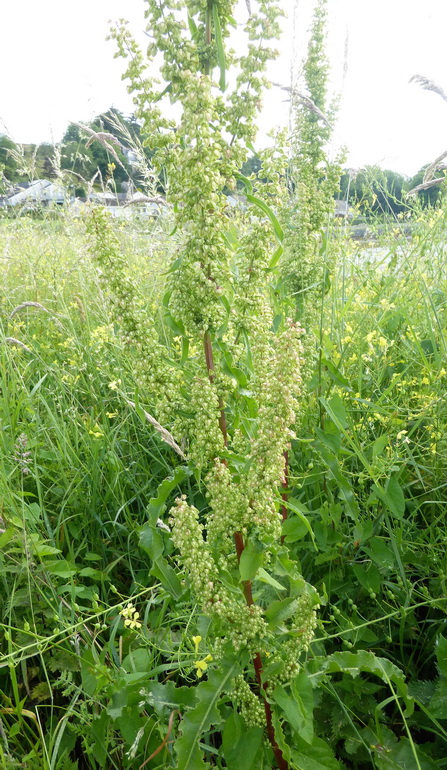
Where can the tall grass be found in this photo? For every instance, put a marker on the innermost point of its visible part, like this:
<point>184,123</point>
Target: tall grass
<point>79,467</point>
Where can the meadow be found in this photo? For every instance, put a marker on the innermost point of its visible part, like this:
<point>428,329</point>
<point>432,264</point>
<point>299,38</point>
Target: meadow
<point>80,466</point>
<point>223,446</point>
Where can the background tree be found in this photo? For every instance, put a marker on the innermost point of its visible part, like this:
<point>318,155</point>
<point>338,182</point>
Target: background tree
<point>428,198</point>
<point>8,163</point>
<point>374,191</point>
<point>313,180</point>
<point>86,155</point>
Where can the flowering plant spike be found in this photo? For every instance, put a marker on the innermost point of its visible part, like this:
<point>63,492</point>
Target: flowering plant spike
<point>231,402</point>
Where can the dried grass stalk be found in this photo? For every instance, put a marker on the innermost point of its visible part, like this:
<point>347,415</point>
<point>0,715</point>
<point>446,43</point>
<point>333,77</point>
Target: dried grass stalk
<point>428,85</point>
<point>28,304</point>
<point>13,341</point>
<point>426,185</point>
<point>166,436</point>
<point>146,199</point>
<point>433,167</point>
<point>108,141</point>
<point>305,101</point>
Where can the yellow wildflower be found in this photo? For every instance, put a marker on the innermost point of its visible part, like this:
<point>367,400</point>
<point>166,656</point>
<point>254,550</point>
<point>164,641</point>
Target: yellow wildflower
<point>96,432</point>
<point>202,665</point>
<point>197,640</point>
<point>130,615</point>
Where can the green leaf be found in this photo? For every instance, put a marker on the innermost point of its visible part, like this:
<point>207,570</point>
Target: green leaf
<point>151,542</point>
<point>241,746</point>
<point>276,257</point>
<point>380,553</point>
<point>318,756</point>
<point>6,536</point>
<point>198,720</point>
<point>192,27</point>
<point>32,512</point>
<point>297,706</point>
<point>280,738</point>
<point>402,757</point>
<point>176,326</point>
<point>41,549</point>
<point>156,504</point>
<point>250,562</point>
<point>246,182</point>
<point>344,487</point>
<point>355,663</point>
<point>219,46</point>
<point>61,568</point>
<point>281,609</point>
<point>167,577</point>
<point>438,703</point>
<point>299,510</point>
<point>441,655</point>
<point>330,437</point>
<point>336,411</point>
<point>185,350</point>
<point>169,696</point>
<point>379,445</point>
<point>94,574</point>
<point>393,497</point>
<point>335,374</point>
<point>270,214</point>
<point>368,576</point>
<point>140,659</point>
<point>234,371</point>
<point>92,674</point>
<point>264,577</point>
<point>293,529</point>
<point>98,729</point>
<point>165,91</point>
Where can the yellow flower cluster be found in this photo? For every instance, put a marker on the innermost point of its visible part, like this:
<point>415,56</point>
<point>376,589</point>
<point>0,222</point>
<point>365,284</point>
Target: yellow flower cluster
<point>131,615</point>
<point>202,665</point>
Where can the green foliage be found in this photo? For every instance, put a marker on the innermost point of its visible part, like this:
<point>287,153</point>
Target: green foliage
<point>430,197</point>
<point>313,180</point>
<point>375,192</point>
<point>199,719</point>
<point>186,582</point>
<point>8,164</point>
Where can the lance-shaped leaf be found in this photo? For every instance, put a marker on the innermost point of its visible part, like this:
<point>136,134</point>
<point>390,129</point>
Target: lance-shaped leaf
<point>270,213</point>
<point>199,720</point>
<point>219,46</point>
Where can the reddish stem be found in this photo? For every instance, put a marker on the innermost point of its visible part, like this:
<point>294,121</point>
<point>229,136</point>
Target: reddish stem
<point>257,664</point>
<point>164,741</point>
<point>240,545</point>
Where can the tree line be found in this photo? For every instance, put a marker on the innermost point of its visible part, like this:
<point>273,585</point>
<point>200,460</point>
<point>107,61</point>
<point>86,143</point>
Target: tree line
<point>93,151</point>
<point>372,191</point>
<point>382,192</point>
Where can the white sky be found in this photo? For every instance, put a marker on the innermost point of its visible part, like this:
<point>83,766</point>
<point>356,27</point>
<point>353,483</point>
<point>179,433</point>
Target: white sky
<point>56,67</point>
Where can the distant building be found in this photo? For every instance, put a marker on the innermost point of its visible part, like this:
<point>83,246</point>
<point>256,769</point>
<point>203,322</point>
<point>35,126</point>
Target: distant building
<point>237,201</point>
<point>343,209</point>
<point>131,156</point>
<point>125,206</point>
<point>41,192</point>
